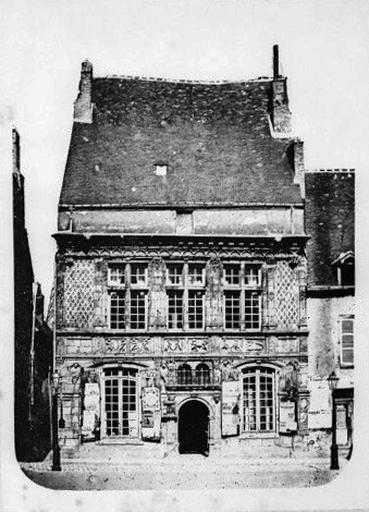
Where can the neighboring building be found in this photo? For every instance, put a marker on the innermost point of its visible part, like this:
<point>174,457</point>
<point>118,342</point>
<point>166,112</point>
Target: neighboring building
<point>329,220</point>
<point>181,267</point>
<point>33,339</point>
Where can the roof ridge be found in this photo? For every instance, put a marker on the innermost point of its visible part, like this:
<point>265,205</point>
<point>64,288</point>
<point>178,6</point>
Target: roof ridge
<point>184,80</point>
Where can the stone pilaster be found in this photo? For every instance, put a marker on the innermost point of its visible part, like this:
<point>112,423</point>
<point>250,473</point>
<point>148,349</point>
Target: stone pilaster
<point>214,295</point>
<point>100,293</point>
<point>157,297</point>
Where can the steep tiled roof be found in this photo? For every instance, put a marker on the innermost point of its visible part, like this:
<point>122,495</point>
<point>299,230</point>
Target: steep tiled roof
<point>329,221</point>
<point>215,139</point>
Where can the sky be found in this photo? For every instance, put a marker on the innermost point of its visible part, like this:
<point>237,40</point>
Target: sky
<point>323,49</point>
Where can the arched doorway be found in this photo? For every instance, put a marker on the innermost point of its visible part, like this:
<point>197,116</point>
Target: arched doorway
<point>193,428</point>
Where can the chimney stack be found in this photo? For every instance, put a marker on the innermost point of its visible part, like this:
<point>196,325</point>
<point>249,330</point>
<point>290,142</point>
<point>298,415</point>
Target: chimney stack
<point>16,150</point>
<point>18,183</point>
<point>276,61</point>
<point>82,106</point>
<point>279,111</point>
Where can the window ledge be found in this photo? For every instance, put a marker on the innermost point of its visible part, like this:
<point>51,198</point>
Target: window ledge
<point>258,435</point>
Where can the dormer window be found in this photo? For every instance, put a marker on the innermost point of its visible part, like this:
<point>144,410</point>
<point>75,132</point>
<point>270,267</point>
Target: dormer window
<point>161,169</point>
<point>345,269</point>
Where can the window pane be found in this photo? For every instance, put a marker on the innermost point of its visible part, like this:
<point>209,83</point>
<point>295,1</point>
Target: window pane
<point>116,275</point>
<point>195,274</point>
<point>347,326</point>
<point>202,374</point>
<point>120,402</point>
<point>175,310</point>
<point>252,310</point>
<point>347,341</point>
<point>232,310</point>
<point>195,310</point>
<point>138,310</point>
<point>252,275</point>
<point>175,274</point>
<point>117,310</point>
<point>184,374</point>
<point>258,400</point>
<point>138,274</point>
<point>232,274</point>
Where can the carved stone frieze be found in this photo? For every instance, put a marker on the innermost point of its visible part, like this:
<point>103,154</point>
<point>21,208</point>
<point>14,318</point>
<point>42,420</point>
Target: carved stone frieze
<point>283,345</point>
<point>176,345</point>
<point>183,251</point>
<point>173,345</point>
<point>199,345</point>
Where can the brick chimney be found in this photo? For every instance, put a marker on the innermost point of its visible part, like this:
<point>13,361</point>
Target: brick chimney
<point>82,106</point>
<point>18,183</point>
<point>295,154</point>
<point>279,111</point>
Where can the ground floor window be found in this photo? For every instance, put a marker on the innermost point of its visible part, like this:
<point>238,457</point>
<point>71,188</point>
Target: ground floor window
<point>259,400</point>
<point>120,402</point>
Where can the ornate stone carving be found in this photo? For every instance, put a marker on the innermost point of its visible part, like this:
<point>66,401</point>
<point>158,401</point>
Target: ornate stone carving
<point>253,345</point>
<point>288,384</point>
<point>139,345</point>
<point>173,345</point>
<point>217,250</point>
<point>116,345</point>
<point>283,345</point>
<point>199,345</point>
<point>228,371</point>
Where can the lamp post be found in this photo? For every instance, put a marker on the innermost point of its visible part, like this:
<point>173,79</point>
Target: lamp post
<point>332,382</point>
<point>54,421</point>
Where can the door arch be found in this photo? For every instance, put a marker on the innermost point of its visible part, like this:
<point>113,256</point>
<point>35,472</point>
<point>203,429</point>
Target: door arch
<point>193,427</point>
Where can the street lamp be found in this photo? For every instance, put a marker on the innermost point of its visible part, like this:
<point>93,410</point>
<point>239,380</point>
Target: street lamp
<point>332,382</point>
<point>54,422</point>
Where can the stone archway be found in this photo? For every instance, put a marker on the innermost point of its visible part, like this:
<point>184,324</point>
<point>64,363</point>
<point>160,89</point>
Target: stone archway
<point>193,427</point>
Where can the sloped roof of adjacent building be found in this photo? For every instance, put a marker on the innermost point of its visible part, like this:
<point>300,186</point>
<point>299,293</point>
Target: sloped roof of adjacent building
<point>329,221</point>
<point>215,139</point>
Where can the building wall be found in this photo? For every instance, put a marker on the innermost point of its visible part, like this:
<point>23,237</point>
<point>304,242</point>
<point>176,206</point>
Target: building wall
<point>324,354</point>
<point>32,338</point>
<point>251,221</point>
<point>86,344</point>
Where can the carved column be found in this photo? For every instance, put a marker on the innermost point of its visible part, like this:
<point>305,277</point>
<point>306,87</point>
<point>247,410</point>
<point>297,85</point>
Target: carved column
<point>268,296</point>
<point>303,398</point>
<point>59,291</point>
<point>214,295</point>
<point>302,282</point>
<point>157,297</point>
<point>100,293</point>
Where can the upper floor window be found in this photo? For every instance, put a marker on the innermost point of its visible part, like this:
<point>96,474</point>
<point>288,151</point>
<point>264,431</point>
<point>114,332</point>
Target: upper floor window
<point>347,341</point>
<point>138,274</point>
<point>117,310</point>
<point>175,309</point>
<point>345,269</point>
<point>232,310</point>
<point>242,299</point>
<point>252,276</point>
<point>161,169</point>
<point>175,274</point>
<point>138,310</point>
<point>116,275</point>
<point>232,275</point>
<point>196,274</point>
<point>195,309</point>
<point>128,306</point>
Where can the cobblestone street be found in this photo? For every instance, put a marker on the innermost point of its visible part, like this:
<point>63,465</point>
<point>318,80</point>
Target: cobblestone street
<point>182,472</point>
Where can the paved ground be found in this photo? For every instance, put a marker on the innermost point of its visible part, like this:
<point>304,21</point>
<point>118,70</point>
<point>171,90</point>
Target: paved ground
<point>181,472</point>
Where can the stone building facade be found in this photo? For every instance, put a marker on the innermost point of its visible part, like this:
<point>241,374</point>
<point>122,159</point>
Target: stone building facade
<point>32,336</point>
<point>181,265</point>
<point>329,220</point>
